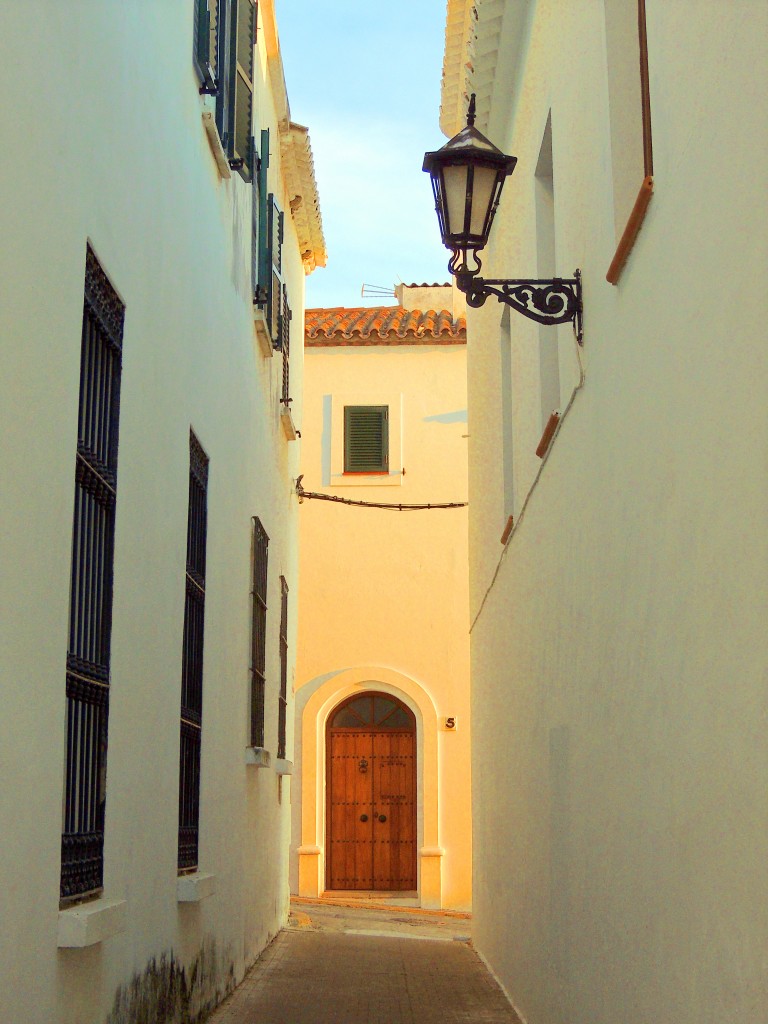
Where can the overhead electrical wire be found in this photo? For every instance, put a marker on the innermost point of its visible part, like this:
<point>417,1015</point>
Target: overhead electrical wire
<point>391,506</point>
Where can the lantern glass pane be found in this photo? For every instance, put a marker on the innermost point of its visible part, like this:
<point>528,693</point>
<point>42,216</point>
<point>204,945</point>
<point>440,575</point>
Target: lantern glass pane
<point>482,195</point>
<point>455,198</point>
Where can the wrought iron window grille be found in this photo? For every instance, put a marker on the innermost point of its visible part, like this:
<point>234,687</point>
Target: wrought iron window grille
<point>283,700</point>
<point>191,718</point>
<point>90,613</point>
<point>259,581</point>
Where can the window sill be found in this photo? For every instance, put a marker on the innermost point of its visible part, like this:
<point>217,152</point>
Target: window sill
<point>195,887</point>
<point>289,427</point>
<point>209,123</point>
<point>86,924</point>
<point>258,756</point>
<point>283,767</point>
<point>262,332</point>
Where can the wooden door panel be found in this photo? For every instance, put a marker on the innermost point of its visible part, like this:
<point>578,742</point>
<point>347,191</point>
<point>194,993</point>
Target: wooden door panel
<point>349,798</point>
<point>393,798</point>
<point>372,774</point>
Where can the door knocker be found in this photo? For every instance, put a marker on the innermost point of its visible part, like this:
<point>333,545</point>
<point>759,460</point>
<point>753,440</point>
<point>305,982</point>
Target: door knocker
<point>363,766</point>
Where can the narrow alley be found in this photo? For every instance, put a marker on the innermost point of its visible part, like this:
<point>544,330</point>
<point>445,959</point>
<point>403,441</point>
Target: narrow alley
<point>370,964</point>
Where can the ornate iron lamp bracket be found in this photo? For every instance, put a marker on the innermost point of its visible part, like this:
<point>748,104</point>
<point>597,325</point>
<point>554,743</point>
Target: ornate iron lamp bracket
<point>555,301</point>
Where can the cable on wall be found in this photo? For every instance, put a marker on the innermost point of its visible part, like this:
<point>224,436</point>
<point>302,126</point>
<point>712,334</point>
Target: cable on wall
<point>373,504</point>
<point>513,531</point>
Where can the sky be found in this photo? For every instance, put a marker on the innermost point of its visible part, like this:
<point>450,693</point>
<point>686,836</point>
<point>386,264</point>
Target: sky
<point>364,77</point>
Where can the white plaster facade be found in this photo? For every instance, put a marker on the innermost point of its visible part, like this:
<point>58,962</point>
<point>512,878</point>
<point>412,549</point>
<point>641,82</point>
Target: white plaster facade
<point>106,144</point>
<point>383,594</point>
<point>619,648</point>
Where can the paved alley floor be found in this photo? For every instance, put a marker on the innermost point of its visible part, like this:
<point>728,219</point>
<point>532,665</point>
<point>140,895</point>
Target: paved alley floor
<point>371,964</point>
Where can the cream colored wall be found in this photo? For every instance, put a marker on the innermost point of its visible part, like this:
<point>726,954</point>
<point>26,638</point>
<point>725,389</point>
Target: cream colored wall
<point>383,601</point>
<point>103,109</point>
<point>619,656</point>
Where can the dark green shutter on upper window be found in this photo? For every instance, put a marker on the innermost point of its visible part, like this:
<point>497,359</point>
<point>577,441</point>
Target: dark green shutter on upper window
<point>261,247</point>
<point>285,346</point>
<point>255,209</point>
<point>205,40</point>
<point>274,268</point>
<point>242,39</point>
<point>366,439</point>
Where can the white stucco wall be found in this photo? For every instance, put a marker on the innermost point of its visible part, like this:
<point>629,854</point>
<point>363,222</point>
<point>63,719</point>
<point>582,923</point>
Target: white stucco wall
<point>619,656</point>
<point>105,144</point>
<point>383,602</point>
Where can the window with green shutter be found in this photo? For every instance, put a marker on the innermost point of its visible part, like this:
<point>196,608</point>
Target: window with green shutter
<point>241,73</point>
<point>285,348</point>
<point>366,439</point>
<point>205,44</point>
<point>224,60</point>
<point>274,269</point>
<point>259,255</point>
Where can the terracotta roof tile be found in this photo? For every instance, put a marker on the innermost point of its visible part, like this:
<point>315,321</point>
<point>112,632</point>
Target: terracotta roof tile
<point>383,325</point>
<point>425,284</point>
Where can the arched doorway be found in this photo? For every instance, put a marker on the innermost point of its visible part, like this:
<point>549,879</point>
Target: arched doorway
<point>371,795</point>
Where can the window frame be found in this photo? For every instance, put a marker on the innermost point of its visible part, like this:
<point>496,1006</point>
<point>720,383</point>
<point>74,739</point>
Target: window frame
<point>237,143</point>
<point>373,467</point>
<point>220,71</point>
<point>394,402</point>
<point>285,348</point>
<point>282,706</point>
<point>205,57</point>
<point>193,645</point>
<point>259,589</point>
<point>271,282</point>
<point>91,588</point>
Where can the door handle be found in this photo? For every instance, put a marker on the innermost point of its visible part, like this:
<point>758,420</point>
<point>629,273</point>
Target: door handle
<point>382,817</point>
<point>363,817</point>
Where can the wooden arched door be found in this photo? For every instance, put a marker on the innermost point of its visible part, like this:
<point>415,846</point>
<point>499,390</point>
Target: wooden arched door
<point>371,795</point>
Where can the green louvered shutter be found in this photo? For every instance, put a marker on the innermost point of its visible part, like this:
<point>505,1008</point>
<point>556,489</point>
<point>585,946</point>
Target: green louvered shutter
<point>366,439</point>
<point>224,73</point>
<point>274,268</point>
<point>263,259</point>
<point>205,24</point>
<point>285,345</point>
<point>243,40</point>
<point>255,209</point>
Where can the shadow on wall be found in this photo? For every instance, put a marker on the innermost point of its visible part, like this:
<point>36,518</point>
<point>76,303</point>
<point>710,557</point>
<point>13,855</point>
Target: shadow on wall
<point>325,443</point>
<point>460,416</point>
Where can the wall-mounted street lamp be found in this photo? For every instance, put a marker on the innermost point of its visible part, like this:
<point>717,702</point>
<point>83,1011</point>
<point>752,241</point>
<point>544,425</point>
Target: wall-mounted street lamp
<point>467,178</point>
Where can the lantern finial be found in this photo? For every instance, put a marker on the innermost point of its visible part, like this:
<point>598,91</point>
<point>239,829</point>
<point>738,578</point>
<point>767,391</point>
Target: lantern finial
<point>471,111</point>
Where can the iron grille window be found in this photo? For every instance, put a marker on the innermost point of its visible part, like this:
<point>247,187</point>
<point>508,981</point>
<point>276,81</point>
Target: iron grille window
<point>90,606</point>
<point>285,345</point>
<point>258,631</point>
<point>366,439</point>
<point>282,706</point>
<point>192,658</point>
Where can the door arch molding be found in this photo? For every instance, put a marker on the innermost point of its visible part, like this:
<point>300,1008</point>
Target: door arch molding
<point>313,710</point>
